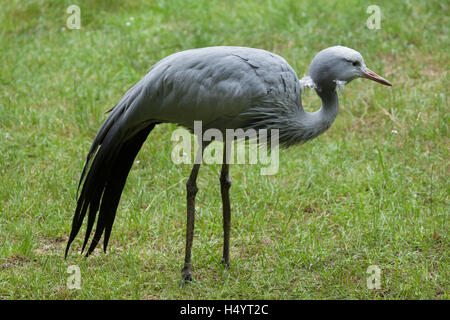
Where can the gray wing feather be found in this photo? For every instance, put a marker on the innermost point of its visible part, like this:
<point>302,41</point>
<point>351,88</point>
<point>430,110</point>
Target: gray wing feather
<point>217,85</point>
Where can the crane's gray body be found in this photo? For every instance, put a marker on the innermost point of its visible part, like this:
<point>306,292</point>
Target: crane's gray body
<point>217,85</point>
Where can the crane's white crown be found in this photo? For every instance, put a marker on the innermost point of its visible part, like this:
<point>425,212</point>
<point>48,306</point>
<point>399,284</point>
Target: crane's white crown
<point>348,54</point>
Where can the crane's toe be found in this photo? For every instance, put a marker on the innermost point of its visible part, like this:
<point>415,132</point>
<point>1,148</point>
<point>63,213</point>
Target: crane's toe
<point>185,279</point>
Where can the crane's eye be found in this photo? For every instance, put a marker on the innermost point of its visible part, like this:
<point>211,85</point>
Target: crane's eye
<point>355,63</point>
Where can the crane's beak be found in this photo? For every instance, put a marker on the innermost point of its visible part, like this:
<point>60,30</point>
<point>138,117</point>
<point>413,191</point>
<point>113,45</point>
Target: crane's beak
<point>369,74</point>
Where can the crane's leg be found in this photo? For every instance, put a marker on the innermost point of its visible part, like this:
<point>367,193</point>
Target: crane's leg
<point>225,184</point>
<point>191,187</point>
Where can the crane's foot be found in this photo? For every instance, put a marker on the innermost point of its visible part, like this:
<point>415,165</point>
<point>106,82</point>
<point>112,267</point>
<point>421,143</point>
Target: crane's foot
<point>186,276</point>
<point>185,280</point>
<point>226,263</point>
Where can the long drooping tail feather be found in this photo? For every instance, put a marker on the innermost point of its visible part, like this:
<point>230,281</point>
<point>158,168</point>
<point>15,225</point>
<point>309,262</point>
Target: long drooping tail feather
<point>104,177</point>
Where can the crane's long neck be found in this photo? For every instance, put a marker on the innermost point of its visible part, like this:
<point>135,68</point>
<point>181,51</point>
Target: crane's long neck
<point>302,126</point>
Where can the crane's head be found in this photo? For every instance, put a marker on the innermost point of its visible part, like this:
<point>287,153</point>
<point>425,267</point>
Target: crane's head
<point>339,63</point>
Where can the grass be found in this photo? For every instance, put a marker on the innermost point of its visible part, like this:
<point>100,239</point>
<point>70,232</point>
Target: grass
<point>373,190</point>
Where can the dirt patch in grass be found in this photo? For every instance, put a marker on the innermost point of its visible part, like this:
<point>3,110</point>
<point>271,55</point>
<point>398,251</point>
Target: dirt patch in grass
<point>15,260</point>
<point>51,246</point>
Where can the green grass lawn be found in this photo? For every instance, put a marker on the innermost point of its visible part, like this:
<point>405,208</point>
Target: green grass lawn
<point>372,190</point>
